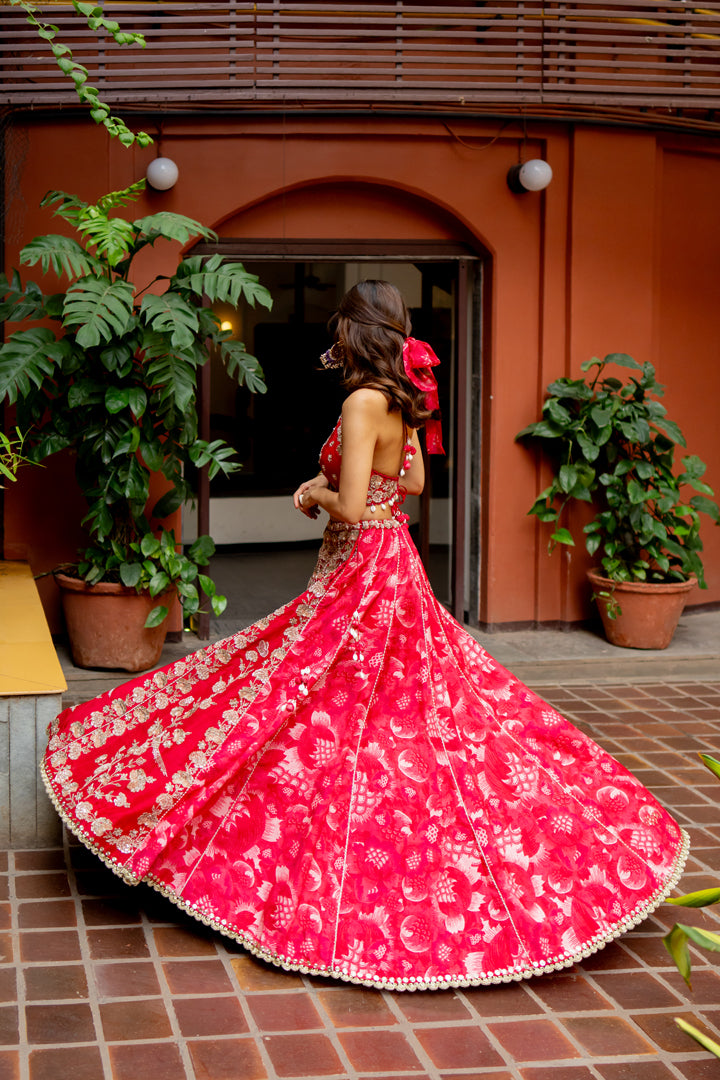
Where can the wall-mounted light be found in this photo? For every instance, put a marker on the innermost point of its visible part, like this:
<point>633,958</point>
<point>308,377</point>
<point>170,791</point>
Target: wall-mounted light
<point>162,173</point>
<point>533,175</point>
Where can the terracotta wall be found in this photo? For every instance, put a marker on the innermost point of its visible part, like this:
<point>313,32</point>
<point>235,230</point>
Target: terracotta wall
<point>618,254</point>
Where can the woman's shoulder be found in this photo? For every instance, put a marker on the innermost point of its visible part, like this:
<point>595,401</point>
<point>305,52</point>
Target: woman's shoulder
<point>365,402</point>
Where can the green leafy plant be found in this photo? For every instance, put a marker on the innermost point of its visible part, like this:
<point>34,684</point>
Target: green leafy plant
<point>612,444</point>
<point>679,938</point>
<point>11,455</point>
<point>89,95</point>
<point>155,564</point>
<point>115,382</point>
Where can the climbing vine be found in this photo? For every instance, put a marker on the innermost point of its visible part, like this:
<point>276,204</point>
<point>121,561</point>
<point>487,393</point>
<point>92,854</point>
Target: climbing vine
<point>79,75</point>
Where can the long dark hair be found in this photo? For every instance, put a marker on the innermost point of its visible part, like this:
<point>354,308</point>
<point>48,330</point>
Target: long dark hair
<point>370,325</point>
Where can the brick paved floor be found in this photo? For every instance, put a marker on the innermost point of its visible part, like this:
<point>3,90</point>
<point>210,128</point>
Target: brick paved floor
<point>100,981</point>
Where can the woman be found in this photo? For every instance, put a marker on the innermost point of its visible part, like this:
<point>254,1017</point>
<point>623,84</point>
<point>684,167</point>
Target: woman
<point>353,787</point>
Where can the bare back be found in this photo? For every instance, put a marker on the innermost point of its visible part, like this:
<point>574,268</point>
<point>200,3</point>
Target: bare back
<point>388,437</point>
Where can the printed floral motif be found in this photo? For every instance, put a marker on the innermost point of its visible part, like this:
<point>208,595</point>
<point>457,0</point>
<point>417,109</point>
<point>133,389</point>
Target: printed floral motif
<point>353,787</point>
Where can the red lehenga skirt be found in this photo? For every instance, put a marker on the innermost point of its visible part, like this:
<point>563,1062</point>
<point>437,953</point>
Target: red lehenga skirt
<point>353,787</point>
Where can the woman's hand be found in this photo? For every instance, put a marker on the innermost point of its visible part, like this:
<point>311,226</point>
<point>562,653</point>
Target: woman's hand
<point>303,498</point>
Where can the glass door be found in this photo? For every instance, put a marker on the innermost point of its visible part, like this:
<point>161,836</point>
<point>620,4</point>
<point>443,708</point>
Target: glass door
<point>278,435</point>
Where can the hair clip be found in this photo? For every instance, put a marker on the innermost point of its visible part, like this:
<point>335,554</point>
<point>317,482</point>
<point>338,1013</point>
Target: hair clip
<point>334,357</point>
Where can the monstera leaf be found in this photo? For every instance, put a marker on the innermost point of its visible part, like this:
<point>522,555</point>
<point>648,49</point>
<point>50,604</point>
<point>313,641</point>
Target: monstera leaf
<point>62,255</point>
<point>25,360</point>
<point>220,281</point>
<point>242,366</point>
<point>170,314</point>
<point>169,226</point>
<point>100,307</point>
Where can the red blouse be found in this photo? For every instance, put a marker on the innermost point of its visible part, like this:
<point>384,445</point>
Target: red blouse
<point>383,491</point>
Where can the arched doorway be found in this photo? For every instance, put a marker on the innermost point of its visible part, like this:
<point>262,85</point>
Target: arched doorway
<point>428,255</point>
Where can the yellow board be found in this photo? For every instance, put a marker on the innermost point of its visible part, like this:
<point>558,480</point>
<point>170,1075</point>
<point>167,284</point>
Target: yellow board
<point>28,661</point>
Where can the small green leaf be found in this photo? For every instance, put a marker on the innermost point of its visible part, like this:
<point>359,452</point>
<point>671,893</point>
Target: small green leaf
<point>170,502</point>
<point>600,415</point>
<point>545,515</point>
<point>137,400</point>
<point>676,944</point>
<point>186,590</point>
<point>562,536</point>
<point>116,399</point>
<point>706,506</point>
<point>206,584</point>
<point>592,543</point>
<point>711,763</point>
<point>622,360</point>
<point>218,604</point>
<point>202,550</point>
<point>671,429</point>
<point>130,574</point>
<point>699,1036</point>
<point>568,477</point>
<point>158,583</point>
<point>152,455</point>
<point>156,616</point>
<point>590,449</point>
<point>696,899</point>
<point>705,938</point>
<point>128,442</point>
<point>636,493</point>
<point>149,545</point>
<point>594,362</point>
<point>543,429</point>
<point>557,412</point>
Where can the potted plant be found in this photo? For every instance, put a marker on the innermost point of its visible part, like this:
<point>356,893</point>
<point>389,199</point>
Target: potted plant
<point>115,383</point>
<point>613,445</point>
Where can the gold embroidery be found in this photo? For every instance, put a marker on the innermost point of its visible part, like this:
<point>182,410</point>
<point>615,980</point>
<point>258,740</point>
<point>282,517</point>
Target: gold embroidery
<point>339,539</point>
<point>128,769</point>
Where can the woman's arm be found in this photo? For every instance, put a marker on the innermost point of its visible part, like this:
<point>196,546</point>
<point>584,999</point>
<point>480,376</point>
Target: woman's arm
<point>362,416</point>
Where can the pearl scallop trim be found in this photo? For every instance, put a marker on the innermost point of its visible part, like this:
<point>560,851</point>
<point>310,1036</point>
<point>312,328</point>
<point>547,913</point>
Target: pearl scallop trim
<point>519,971</point>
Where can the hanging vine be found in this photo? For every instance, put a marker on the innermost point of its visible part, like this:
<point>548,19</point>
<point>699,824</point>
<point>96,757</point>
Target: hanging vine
<point>79,75</point>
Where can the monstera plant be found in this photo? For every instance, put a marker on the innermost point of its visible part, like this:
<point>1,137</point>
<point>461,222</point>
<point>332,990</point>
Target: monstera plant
<point>114,378</point>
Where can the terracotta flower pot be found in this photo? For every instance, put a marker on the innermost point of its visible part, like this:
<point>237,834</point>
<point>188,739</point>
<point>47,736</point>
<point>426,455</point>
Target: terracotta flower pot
<point>649,612</point>
<point>106,625</point>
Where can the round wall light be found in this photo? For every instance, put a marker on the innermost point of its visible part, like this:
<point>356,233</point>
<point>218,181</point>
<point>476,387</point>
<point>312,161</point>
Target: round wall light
<point>533,175</point>
<point>162,173</point>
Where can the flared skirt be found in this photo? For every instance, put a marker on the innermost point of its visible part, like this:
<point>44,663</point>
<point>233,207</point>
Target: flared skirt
<point>354,787</point>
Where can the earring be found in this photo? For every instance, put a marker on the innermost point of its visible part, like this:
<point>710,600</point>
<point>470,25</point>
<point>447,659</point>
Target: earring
<point>334,357</point>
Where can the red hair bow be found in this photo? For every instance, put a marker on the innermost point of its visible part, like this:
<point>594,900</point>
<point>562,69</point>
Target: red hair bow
<point>418,358</point>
